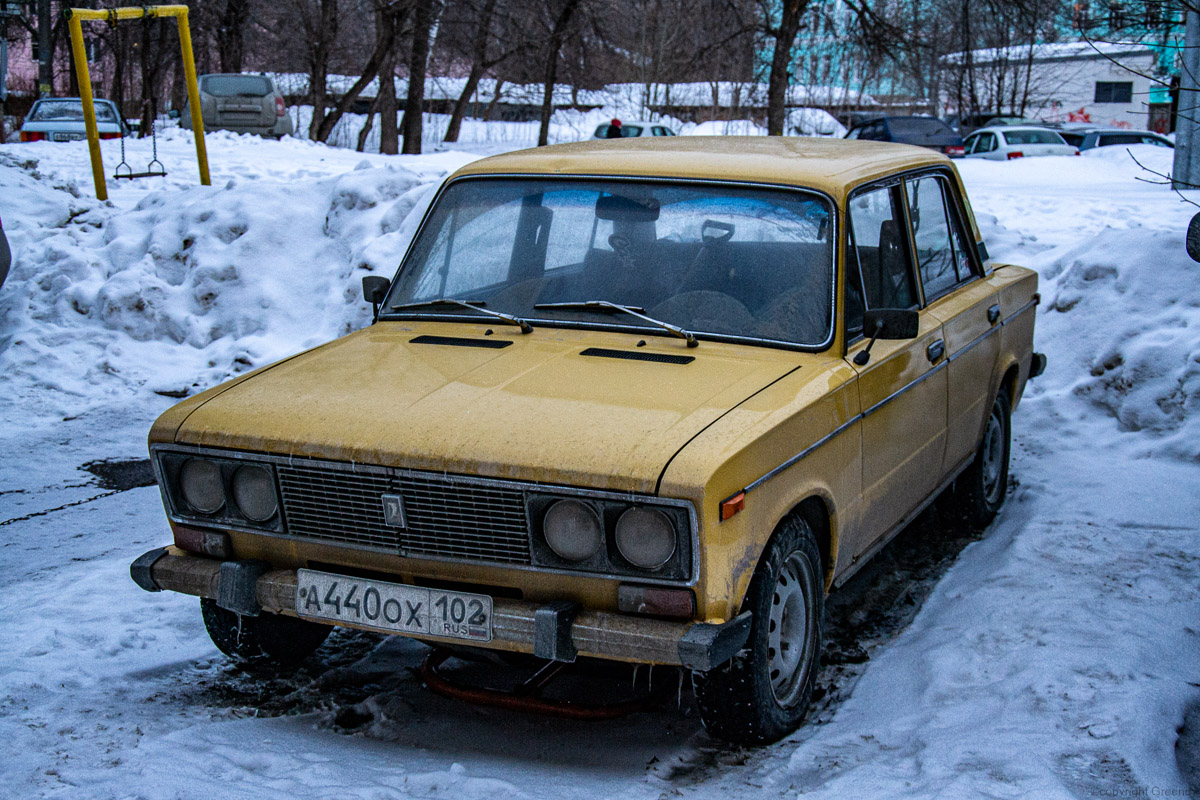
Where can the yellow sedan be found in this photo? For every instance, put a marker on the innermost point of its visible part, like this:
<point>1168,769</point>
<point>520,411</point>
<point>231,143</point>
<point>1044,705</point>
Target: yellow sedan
<point>647,400</point>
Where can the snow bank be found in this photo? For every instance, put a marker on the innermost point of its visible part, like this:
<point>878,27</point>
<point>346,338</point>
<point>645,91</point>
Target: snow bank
<point>190,285</point>
<point>1120,295</point>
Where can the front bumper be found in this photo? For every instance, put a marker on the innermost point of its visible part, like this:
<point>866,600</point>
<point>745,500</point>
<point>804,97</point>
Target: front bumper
<point>554,631</point>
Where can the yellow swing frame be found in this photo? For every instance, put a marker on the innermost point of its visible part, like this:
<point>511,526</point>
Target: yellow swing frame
<point>75,19</point>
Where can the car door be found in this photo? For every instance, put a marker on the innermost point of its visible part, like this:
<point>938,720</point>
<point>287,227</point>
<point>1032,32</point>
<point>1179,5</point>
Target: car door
<point>967,306</point>
<point>902,388</point>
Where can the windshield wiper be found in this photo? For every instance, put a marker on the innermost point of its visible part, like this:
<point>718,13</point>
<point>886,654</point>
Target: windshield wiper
<point>473,305</point>
<point>604,305</point>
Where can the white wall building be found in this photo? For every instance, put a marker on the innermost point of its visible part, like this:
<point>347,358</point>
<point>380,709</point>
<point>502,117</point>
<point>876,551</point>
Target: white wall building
<point>1108,84</point>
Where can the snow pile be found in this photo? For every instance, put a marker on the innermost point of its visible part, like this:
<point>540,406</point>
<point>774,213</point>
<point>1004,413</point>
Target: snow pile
<point>189,286</point>
<point>1120,295</point>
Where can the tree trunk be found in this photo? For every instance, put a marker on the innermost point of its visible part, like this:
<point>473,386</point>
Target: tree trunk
<point>491,106</point>
<point>417,63</point>
<point>389,140</point>
<point>478,59</point>
<point>231,34</point>
<point>781,58</point>
<point>366,128</point>
<point>319,64</point>
<point>557,34</point>
<point>385,34</point>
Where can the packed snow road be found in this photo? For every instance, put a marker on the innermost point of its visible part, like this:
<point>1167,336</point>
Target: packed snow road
<point>1055,656</point>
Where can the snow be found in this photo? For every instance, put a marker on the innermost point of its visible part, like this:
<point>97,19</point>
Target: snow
<point>1054,657</point>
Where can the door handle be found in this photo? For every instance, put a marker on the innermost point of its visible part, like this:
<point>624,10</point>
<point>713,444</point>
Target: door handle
<point>993,314</point>
<point>936,351</point>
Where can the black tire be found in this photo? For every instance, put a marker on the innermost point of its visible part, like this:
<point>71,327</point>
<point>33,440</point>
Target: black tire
<point>979,491</point>
<point>750,700</point>
<point>265,640</point>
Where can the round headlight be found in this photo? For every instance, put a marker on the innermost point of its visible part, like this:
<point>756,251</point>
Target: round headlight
<point>645,538</point>
<point>573,530</point>
<point>200,482</point>
<point>254,492</point>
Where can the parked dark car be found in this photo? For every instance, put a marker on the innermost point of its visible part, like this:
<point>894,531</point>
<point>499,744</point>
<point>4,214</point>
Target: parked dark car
<point>921,131</point>
<point>5,255</point>
<point>1085,138</point>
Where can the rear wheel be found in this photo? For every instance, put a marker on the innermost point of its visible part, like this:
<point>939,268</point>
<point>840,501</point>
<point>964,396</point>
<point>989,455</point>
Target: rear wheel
<point>268,639</point>
<point>980,489</point>
<point>763,692</point>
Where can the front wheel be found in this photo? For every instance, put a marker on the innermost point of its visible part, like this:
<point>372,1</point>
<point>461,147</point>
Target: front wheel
<point>763,692</point>
<point>265,640</point>
<point>979,491</point>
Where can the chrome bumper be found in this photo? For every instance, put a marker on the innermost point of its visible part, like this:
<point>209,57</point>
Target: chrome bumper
<point>556,631</point>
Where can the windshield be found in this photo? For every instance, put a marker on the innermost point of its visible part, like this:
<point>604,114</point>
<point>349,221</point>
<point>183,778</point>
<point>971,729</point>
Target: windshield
<point>69,111</point>
<point>236,85</point>
<point>718,260</point>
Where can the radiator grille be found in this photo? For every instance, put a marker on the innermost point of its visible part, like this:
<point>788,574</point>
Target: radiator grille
<point>446,517</point>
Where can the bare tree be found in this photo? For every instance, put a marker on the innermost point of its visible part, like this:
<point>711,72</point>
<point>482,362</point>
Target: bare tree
<point>387,22</point>
<point>558,29</point>
<point>423,23</point>
<point>784,35</point>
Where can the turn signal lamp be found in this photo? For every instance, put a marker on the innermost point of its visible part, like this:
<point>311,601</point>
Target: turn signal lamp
<point>732,505</point>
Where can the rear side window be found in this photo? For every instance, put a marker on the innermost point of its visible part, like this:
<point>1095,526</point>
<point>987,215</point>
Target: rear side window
<point>1119,138</point>
<point>941,254</point>
<point>235,85</point>
<point>1033,137</point>
<point>919,126</point>
<point>877,225</point>
<point>631,130</point>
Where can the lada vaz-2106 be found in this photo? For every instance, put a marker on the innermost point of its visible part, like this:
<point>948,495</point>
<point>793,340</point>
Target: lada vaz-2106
<point>647,401</point>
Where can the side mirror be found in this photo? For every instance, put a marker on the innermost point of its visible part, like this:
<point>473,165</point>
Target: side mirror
<point>375,289</point>
<point>1193,238</point>
<point>887,323</point>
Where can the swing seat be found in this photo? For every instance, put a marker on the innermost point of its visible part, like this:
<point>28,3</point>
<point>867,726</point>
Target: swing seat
<point>151,172</point>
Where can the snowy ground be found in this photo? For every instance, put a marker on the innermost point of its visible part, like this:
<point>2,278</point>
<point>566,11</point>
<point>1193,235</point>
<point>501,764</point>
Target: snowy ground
<point>1054,657</point>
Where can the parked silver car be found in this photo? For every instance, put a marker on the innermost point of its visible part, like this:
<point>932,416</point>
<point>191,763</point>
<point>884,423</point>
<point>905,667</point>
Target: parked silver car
<point>1004,143</point>
<point>60,119</point>
<point>632,128</point>
<point>241,103</point>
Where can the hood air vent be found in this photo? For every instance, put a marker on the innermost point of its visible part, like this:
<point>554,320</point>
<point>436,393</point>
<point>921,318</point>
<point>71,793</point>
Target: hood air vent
<point>457,341</point>
<point>632,355</point>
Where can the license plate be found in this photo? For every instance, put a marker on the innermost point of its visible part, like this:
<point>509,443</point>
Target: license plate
<point>68,137</point>
<point>393,607</point>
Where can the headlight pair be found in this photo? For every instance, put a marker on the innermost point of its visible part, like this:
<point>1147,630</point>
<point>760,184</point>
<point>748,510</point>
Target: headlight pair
<point>577,531</point>
<point>227,490</point>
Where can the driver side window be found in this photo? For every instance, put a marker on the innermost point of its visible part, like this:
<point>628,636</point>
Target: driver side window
<point>878,256</point>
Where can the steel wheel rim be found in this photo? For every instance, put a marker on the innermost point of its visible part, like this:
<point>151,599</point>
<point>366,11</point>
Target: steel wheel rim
<point>790,637</point>
<point>993,457</point>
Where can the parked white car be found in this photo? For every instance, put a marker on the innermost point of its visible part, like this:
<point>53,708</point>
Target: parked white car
<point>60,119</point>
<point>634,127</point>
<point>1004,143</point>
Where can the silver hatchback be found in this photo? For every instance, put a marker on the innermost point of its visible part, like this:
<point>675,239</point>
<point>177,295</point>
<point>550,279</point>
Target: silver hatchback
<point>241,103</point>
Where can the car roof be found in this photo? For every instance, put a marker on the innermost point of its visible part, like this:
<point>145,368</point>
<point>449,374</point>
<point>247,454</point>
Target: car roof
<point>1013,129</point>
<point>625,122</point>
<point>828,165</point>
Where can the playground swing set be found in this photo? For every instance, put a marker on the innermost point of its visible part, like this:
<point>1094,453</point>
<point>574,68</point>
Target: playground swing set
<point>155,169</point>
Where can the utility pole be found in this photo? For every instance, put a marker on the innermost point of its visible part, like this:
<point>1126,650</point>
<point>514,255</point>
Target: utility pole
<point>1186,174</point>
<point>45,68</point>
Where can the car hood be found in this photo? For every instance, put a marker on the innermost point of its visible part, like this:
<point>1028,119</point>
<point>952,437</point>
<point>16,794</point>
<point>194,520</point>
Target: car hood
<point>534,409</point>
